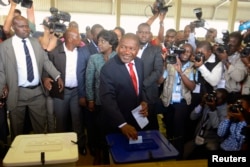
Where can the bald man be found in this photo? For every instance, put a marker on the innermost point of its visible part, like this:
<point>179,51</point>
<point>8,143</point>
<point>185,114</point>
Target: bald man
<point>69,60</point>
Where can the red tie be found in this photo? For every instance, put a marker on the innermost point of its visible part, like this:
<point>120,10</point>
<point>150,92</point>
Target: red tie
<point>133,76</point>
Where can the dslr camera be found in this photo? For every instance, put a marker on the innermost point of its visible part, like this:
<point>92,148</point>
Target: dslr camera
<point>160,7</point>
<point>224,46</point>
<point>246,50</point>
<point>211,97</point>
<point>199,56</point>
<point>57,19</point>
<point>200,22</point>
<point>173,53</point>
<point>24,3</point>
<point>236,107</point>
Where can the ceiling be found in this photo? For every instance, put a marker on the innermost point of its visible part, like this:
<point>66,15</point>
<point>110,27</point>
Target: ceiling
<point>212,9</point>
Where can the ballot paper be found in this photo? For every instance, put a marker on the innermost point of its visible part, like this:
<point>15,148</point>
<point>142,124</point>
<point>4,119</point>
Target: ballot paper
<point>141,120</point>
<point>139,140</point>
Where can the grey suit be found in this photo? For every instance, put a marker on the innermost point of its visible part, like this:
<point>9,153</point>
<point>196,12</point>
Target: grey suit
<point>19,99</point>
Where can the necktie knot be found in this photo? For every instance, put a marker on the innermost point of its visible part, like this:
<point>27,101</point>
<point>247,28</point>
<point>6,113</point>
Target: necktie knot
<point>130,65</point>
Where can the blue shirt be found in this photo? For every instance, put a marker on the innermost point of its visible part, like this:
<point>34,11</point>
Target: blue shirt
<point>235,139</point>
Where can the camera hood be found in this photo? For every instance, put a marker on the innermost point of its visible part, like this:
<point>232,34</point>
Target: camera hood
<point>198,12</point>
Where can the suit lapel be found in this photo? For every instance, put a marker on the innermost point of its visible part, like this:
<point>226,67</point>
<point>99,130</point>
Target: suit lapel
<point>11,53</point>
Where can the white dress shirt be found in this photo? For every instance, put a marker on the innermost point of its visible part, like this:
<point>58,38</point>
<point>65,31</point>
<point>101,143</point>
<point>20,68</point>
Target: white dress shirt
<point>71,65</point>
<point>21,62</point>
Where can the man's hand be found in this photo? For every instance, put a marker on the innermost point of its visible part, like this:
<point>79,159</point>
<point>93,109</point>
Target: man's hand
<point>129,131</point>
<point>211,104</point>
<point>197,64</point>
<point>83,102</point>
<point>178,65</point>
<point>47,83</point>
<point>60,84</point>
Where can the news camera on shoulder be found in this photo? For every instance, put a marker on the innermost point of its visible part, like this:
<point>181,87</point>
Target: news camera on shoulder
<point>160,6</point>
<point>56,22</point>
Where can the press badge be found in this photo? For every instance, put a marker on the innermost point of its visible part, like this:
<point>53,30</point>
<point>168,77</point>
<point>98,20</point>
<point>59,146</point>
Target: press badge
<point>197,88</point>
<point>222,84</point>
<point>176,97</point>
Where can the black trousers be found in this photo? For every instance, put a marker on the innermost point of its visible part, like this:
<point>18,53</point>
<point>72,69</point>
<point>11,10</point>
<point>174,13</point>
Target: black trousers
<point>175,119</point>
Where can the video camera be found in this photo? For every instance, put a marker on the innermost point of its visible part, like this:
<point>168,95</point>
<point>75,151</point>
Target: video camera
<point>236,107</point>
<point>246,50</point>
<point>200,22</point>
<point>160,7</point>
<point>174,51</point>
<point>24,3</point>
<point>199,56</point>
<point>224,46</point>
<point>211,97</point>
<point>57,19</point>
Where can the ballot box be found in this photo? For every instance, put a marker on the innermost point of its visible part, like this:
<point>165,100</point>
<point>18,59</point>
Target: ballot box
<point>153,147</point>
<point>54,149</point>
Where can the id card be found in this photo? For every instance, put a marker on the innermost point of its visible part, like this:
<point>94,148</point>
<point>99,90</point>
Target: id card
<point>199,140</point>
<point>222,84</point>
<point>197,88</point>
<point>176,97</point>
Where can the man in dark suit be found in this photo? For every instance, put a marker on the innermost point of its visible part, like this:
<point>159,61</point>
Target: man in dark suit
<point>25,85</point>
<point>153,68</point>
<point>117,92</point>
<point>71,62</point>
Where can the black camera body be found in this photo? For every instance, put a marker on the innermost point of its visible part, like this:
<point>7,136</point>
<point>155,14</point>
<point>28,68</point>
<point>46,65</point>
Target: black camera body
<point>236,107</point>
<point>199,56</point>
<point>57,19</point>
<point>211,97</point>
<point>224,46</point>
<point>246,50</point>
<point>200,22</point>
<point>24,3</point>
<point>173,53</point>
<point>160,6</point>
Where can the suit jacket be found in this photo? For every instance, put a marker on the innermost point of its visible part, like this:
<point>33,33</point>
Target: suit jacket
<point>9,74</point>
<point>58,58</point>
<point>117,93</point>
<point>153,67</point>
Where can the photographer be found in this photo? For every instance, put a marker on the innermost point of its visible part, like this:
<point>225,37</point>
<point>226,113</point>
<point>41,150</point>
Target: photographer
<point>245,58</point>
<point>176,97</point>
<point>210,113</point>
<point>234,70</point>
<point>231,127</point>
<point>209,69</point>
<point>15,12</point>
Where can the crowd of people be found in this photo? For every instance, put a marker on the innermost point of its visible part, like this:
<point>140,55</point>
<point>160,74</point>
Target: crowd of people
<point>54,82</point>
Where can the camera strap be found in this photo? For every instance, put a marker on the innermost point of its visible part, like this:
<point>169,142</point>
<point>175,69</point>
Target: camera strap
<point>203,123</point>
<point>199,139</point>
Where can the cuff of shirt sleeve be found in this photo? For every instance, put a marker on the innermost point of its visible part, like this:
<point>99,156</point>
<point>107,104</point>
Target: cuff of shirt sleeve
<point>197,109</point>
<point>57,77</point>
<point>120,126</point>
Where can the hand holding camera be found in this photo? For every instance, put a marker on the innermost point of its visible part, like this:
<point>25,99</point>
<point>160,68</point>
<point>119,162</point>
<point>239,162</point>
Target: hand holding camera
<point>235,112</point>
<point>199,59</point>
<point>210,100</point>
